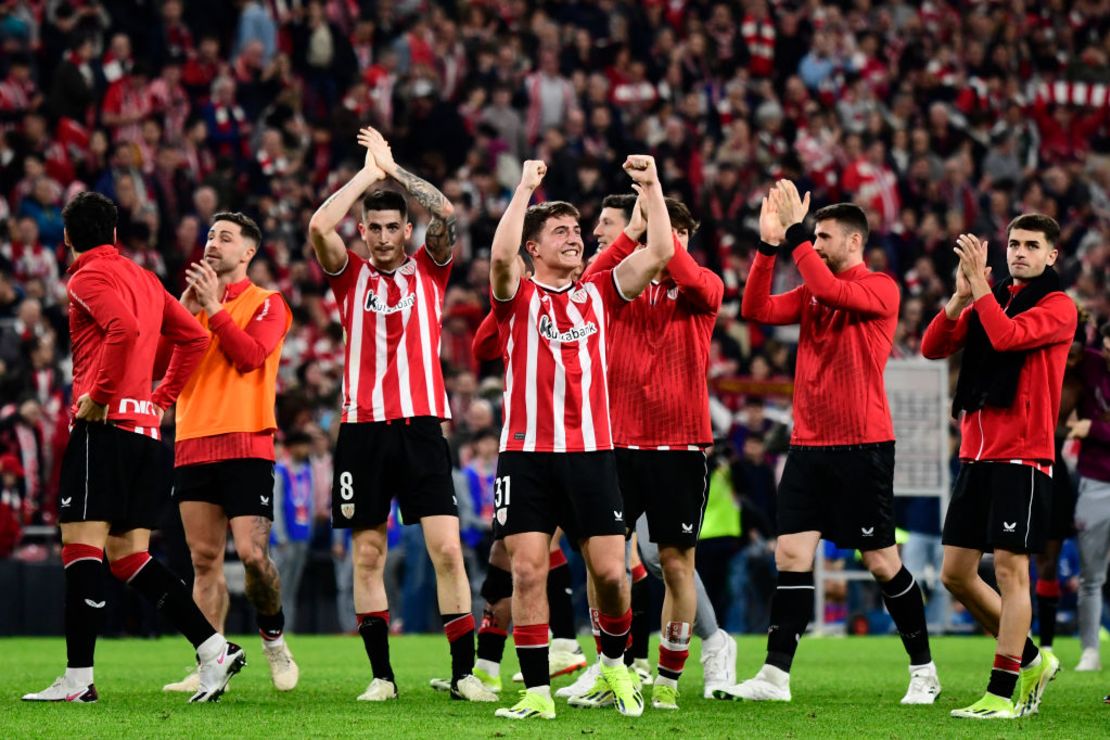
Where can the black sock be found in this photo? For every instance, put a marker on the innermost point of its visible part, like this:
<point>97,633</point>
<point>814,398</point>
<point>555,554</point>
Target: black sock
<point>903,600</point>
<point>614,634</point>
<point>532,648</point>
<point>1048,601</point>
<point>641,603</point>
<point>84,574</point>
<point>374,628</point>
<point>561,611</point>
<point>491,645</point>
<point>168,594</point>
<point>1029,653</point>
<point>270,626</point>
<point>1004,676</point>
<point>459,629</point>
<point>791,612</point>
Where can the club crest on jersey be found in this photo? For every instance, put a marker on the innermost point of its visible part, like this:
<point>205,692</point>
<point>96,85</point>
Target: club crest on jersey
<point>672,294</point>
<point>348,510</point>
<point>409,268</point>
<point>376,305</point>
<point>579,296</point>
<point>548,330</point>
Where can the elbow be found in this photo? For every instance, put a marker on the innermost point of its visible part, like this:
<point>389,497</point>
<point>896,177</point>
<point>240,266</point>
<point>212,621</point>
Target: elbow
<point>448,209</point>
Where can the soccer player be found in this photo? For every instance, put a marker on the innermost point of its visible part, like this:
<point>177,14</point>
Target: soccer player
<point>1015,341</point>
<point>224,452</point>
<point>838,482</point>
<point>661,430</point>
<point>556,466</point>
<point>390,440</point>
<point>115,478</point>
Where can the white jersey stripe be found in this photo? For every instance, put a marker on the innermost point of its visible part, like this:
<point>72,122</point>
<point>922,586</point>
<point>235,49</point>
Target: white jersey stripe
<point>354,368</point>
<point>426,344</point>
<point>559,391</point>
<point>507,403</point>
<point>530,400</point>
<point>589,437</point>
<point>381,352</point>
<point>404,381</point>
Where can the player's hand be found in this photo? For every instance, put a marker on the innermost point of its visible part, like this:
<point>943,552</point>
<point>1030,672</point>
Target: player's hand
<point>1079,429</point>
<point>90,410</point>
<point>532,173</point>
<point>159,412</point>
<point>973,255</point>
<point>205,285</point>
<point>189,300</point>
<point>378,148</point>
<point>771,229</point>
<point>791,206</point>
<point>641,168</point>
<point>637,225</point>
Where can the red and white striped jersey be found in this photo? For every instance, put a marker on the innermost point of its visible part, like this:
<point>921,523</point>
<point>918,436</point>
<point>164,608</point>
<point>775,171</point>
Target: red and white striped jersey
<point>556,380</point>
<point>392,326</point>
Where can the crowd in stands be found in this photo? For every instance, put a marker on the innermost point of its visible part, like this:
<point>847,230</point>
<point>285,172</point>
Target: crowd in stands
<point>937,117</point>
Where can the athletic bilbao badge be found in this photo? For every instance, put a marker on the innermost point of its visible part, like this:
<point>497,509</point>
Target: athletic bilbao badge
<point>672,294</point>
<point>502,515</point>
<point>409,268</point>
<point>348,510</point>
<point>579,296</point>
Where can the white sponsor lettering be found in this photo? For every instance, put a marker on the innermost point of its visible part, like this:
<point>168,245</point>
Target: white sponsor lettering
<point>549,331</point>
<point>145,408</point>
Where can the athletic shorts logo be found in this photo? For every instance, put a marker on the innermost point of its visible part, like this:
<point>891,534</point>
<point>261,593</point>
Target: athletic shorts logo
<point>618,515</point>
<point>348,510</point>
<point>264,500</point>
<point>867,531</point>
<point>502,515</point>
<point>67,501</point>
<point>1009,527</point>
<point>95,604</point>
<point>579,296</point>
<point>687,529</point>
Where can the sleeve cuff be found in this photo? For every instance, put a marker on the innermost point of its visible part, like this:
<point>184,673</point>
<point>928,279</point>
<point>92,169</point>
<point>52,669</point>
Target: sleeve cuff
<point>768,249</point>
<point>796,235</point>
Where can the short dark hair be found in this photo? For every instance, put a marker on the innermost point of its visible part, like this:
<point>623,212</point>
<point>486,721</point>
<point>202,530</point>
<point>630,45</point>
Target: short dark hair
<point>90,221</point>
<point>681,218</point>
<point>385,200</point>
<point>536,216</point>
<point>848,215</point>
<point>247,225</point>
<point>625,202</point>
<point>1036,222</point>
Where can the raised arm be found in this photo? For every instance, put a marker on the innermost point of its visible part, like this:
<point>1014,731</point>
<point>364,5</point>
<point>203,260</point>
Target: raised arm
<point>624,245</point>
<point>442,231</point>
<point>504,268</point>
<point>329,246</point>
<point>701,286</point>
<point>757,303</point>
<point>641,267</point>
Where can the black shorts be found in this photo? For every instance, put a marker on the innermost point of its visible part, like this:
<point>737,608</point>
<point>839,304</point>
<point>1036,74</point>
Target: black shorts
<point>844,492</point>
<point>999,505</point>
<point>375,462</point>
<point>116,476</point>
<point>667,485</point>
<point>242,487</point>
<point>539,491</point>
<point>1061,522</point>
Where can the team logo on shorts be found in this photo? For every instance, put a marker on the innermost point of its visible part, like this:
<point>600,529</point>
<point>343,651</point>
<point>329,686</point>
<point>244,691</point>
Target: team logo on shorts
<point>673,294</point>
<point>1009,527</point>
<point>409,268</point>
<point>348,510</point>
<point>867,531</point>
<point>502,515</point>
<point>579,296</point>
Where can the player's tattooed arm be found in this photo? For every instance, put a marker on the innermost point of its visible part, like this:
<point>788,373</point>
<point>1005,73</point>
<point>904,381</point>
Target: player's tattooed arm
<point>442,231</point>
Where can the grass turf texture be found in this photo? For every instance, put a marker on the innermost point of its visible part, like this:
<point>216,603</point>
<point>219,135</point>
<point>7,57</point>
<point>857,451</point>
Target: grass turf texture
<point>843,687</point>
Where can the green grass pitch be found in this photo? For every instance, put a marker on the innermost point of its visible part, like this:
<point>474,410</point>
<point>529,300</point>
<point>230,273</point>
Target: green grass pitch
<point>843,688</point>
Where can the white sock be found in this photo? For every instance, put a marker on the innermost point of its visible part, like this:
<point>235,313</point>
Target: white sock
<point>274,643</point>
<point>664,681</point>
<point>565,645</point>
<point>1033,663</point>
<point>211,648</point>
<point>608,662</point>
<point>714,642</point>
<point>777,676</point>
<point>79,676</point>
<point>931,666</point>
<point>544,691</point>
<point>493,669</point>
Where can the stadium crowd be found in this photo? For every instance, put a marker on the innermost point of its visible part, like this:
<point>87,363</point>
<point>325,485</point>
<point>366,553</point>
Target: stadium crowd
<point>938,118</point>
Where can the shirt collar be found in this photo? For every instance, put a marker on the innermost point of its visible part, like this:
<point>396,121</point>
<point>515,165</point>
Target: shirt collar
<point>84,258</point>
<point>234,290</point>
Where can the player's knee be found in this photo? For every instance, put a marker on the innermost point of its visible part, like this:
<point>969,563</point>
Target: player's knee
<point>1010,572</point>
<point>367,556</point>
<point>446,553</point>
<point>676,567</point>
<point>254,558</point>
<point>609,577</point>
<point>528,575</point>
<point>207,560</point>
<point>956,580</point>
<point>882,568</point>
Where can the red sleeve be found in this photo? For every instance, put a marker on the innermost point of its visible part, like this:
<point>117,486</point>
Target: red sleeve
<point>190,340</point>
<point>611,256</point>
<point>944,337</point>
<point>162,358</point>
<point>1051,321</point>
<point>606,283</point>
<point>759,305</point>
<point>439,273</point>
<point>99,297</point>
<point>343,282</point>
<point>503,309</point>
<point>700,285</point>
<point>248,348</point>
<point>875,295</point>
<point>487,340</point>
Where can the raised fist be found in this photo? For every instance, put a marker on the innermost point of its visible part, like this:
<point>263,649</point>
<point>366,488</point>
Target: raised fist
<point>532,174</point>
